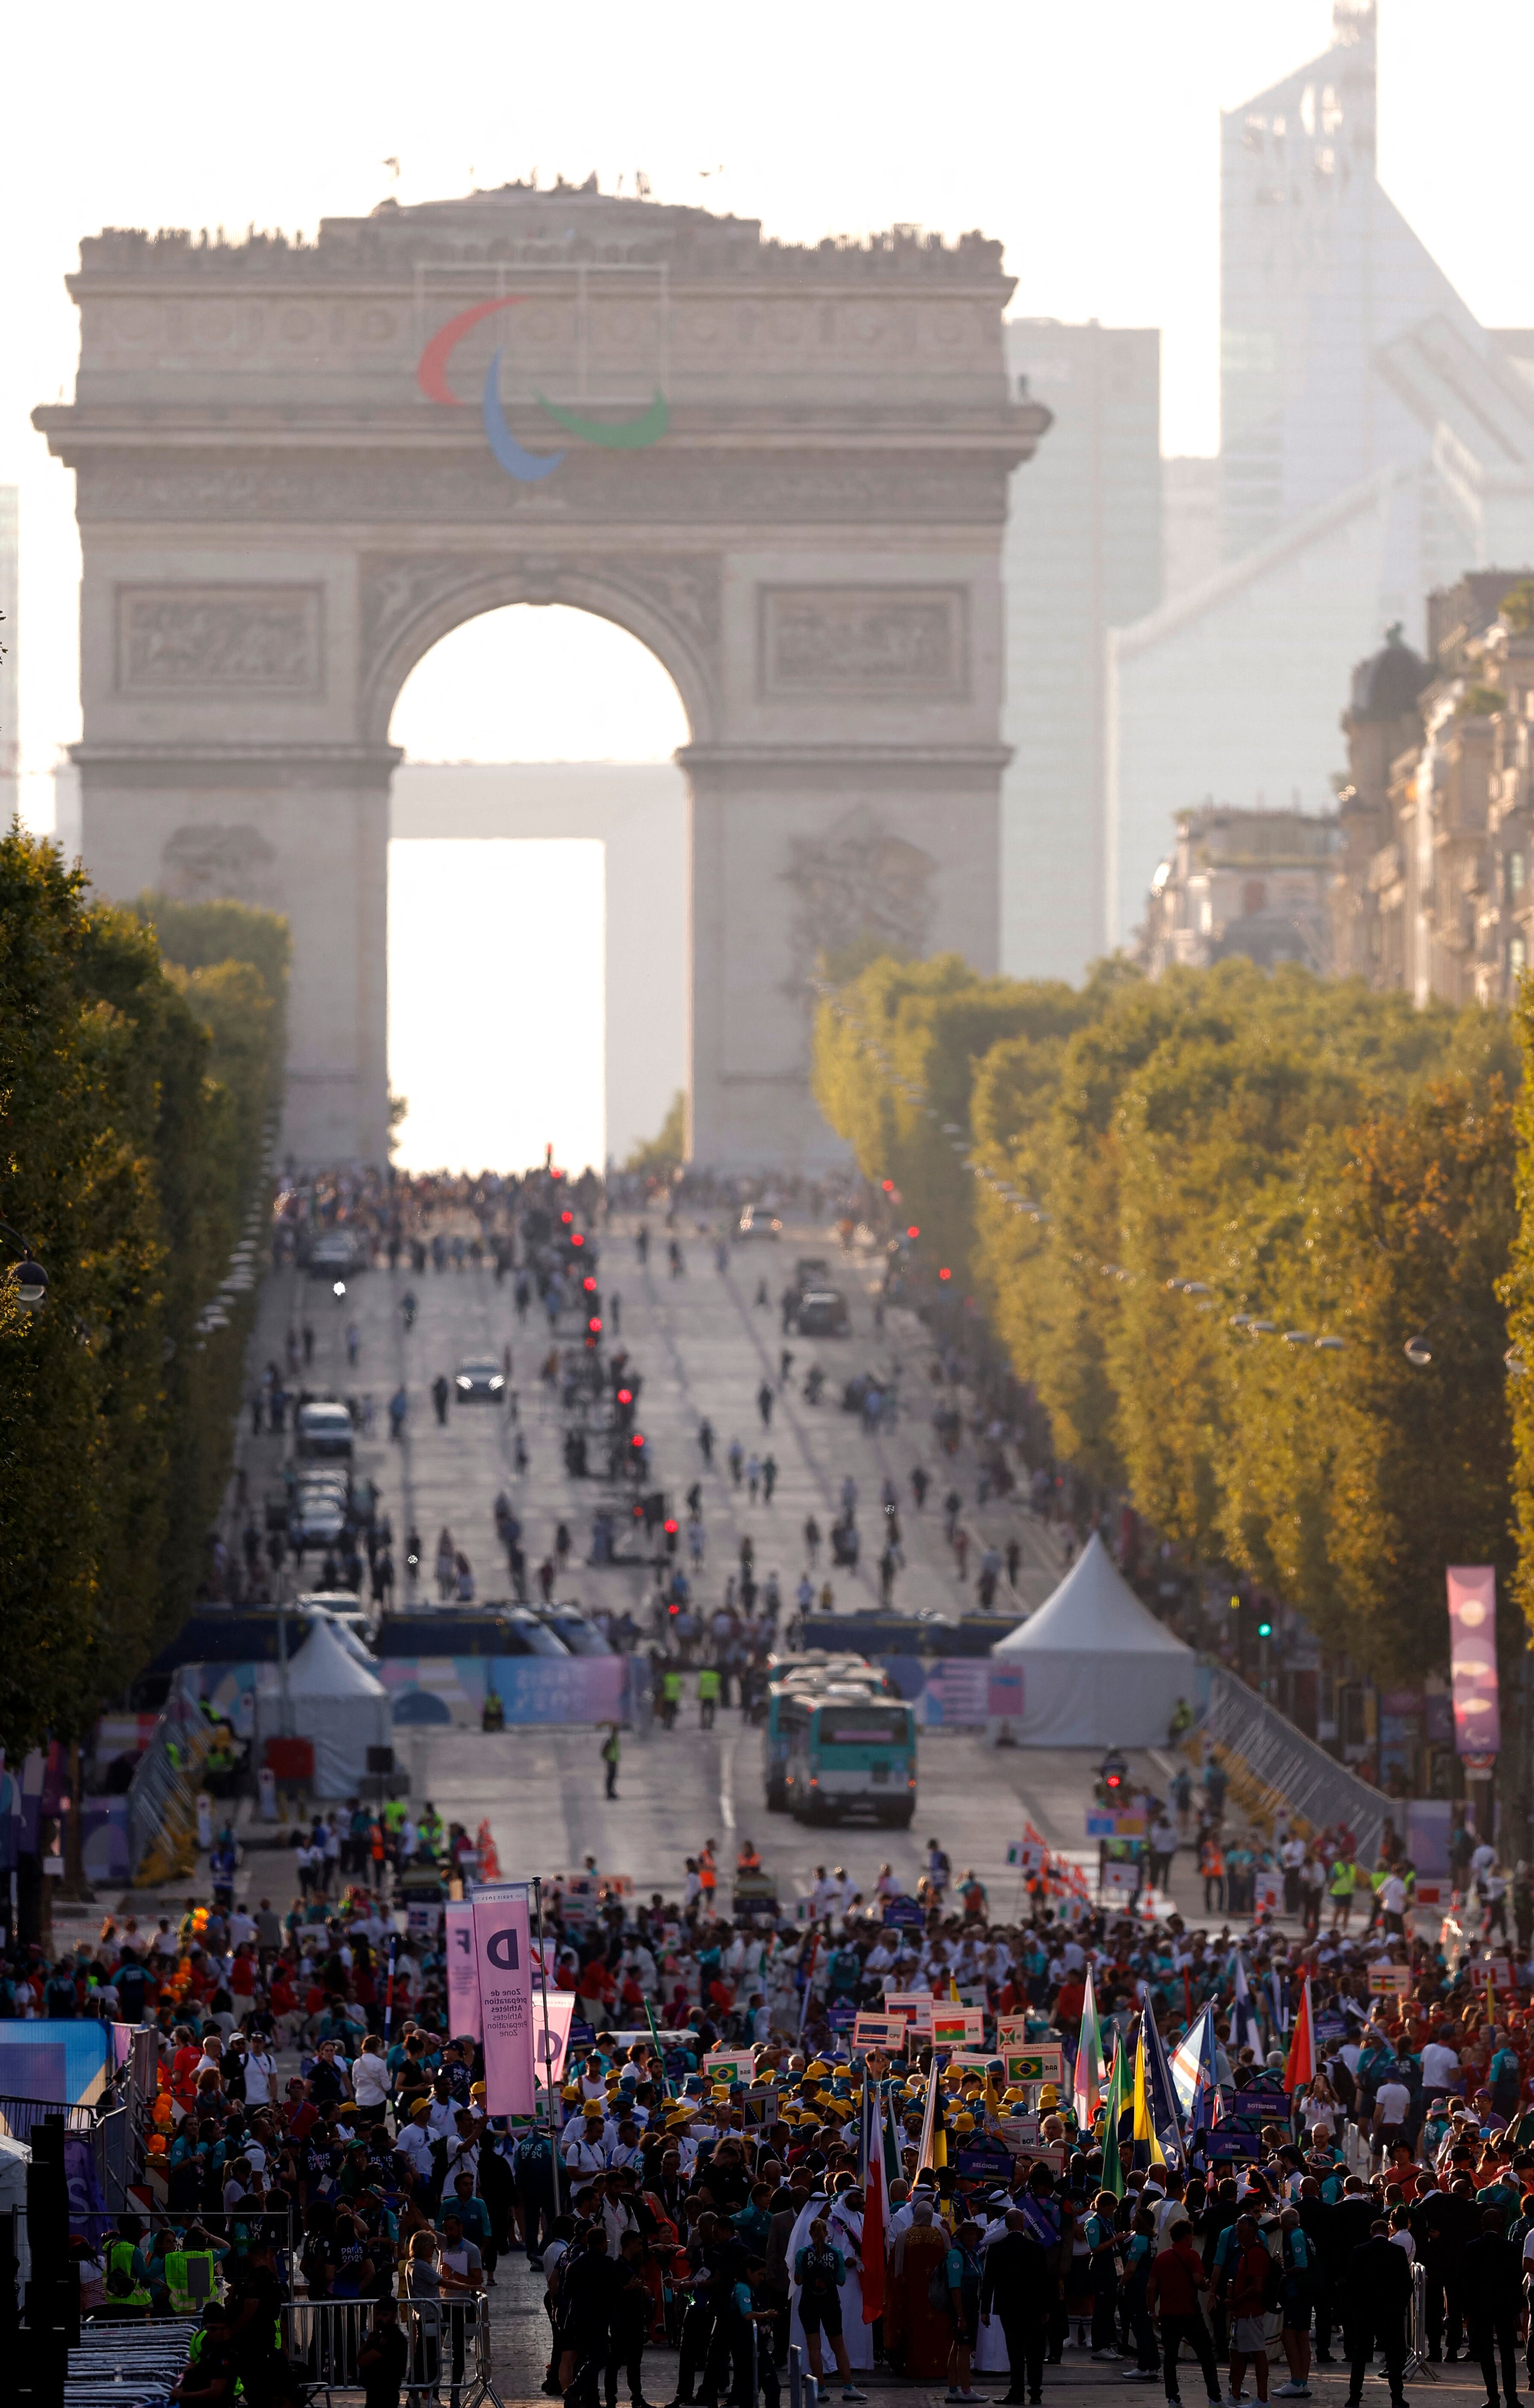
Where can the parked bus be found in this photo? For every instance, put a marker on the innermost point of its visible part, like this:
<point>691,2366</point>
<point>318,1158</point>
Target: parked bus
<point>849,1751</point>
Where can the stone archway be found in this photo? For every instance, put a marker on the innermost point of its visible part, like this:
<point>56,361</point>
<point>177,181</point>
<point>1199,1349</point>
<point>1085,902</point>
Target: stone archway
<point>785,471</point>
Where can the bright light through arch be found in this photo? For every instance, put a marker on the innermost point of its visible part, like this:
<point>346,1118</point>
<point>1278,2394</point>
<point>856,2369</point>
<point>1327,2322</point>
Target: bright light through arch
<point>532,684</point>
<point>483,936</point>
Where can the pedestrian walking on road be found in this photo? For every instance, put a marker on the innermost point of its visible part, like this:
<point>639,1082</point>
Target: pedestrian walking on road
<point>769,1476</point>
<point>615,1306</point>
<point>764,1403</point>
<point>308,1345</point>
<point>812,1539</point>
<point>737,1460</point>
<point>353,1342</point>
<point>611,1749</point>
<point>754,1474</point>
<point>447,1569</point>
<point>440,1392</point>
<point>1015,1561</point>
<point>706,1442</point>
<point>399,1409</point>
<point>920,1484</point>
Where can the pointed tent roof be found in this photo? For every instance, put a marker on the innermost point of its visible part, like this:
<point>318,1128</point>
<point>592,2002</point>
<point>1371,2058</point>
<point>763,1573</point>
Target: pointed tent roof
<point>325,1667</point>
<point>1094,1612</point>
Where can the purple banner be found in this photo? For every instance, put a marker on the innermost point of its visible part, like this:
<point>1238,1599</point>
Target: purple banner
<point>1473,1659</point>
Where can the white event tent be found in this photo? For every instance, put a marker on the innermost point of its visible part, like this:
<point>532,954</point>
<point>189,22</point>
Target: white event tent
<point>337,1703</point>
<point>1098,1669</point>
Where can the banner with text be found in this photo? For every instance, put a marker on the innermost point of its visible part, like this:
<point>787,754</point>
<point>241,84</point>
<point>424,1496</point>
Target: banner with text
<point>463,1971</point>
<point>502,1958</point>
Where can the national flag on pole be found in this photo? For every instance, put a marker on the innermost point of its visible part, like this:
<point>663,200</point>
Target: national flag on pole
<point>1301,2069</point>
<point>1144,2129</point>
<point>924,2147</point>
<point>1165,2113</point>
<point>1246,2030</point>
<point>1112,2166</point>
<point>1195,2074</point>
<point>875,2199</point>
<point>1085,2091</point>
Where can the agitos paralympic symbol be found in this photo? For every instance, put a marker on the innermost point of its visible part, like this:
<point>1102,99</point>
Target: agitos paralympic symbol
<point>528,468</point>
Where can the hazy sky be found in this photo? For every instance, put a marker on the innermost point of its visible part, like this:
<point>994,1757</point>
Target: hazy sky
<point>1086,136</point>
<point>460,1016</point>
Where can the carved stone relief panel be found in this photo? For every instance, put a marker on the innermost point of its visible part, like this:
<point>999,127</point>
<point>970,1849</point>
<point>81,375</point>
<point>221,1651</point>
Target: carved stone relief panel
<point>201,864</point>
<point>859,880</point>
<point>220,638</point>
<point>903,642</point>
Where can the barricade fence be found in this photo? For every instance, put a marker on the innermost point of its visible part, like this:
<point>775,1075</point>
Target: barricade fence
<point>1283,1767</point>
<point>447,2343</point>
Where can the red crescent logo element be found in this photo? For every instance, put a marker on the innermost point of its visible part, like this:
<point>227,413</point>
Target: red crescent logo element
<point>431,369</point>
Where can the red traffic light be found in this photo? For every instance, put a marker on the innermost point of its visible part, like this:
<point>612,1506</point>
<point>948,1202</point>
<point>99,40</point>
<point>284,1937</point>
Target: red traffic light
<point>626,1396</point>
<point>589,1284</point>
<point>670,1528</point>
<point>637,1439</point>
<point>889,1186</point>
<point>913,1231</point>
<point>567,1218</point>
<point>945,1274</point>
<point>576,1237</point>
<point>1113,1779</point>
<point>596,1321</point>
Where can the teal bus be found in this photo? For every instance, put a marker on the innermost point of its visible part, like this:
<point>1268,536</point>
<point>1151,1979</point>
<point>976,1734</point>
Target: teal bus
<point>791,1680</point>
<point>850,1752</point>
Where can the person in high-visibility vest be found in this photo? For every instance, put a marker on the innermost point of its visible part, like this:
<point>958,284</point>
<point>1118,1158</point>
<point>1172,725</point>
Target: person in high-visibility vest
<point>127,2282</point>
<point>1344,1881</point>
<point>708,1699</point>
<point>671,1696</point>
<point>190,2275</point>
<point>708,1871</point>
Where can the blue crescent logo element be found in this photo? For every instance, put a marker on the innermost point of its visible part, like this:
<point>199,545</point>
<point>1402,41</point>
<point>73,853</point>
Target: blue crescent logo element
<point>528,467</point>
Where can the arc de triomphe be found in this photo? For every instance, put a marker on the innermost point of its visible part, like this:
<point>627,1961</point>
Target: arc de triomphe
<point>783,469</point>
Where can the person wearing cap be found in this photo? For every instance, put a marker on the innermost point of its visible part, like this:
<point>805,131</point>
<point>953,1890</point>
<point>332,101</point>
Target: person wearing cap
<point>587,2153</point>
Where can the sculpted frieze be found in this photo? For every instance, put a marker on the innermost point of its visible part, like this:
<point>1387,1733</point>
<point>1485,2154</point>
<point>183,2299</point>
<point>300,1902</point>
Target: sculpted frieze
<point>898,488</point>
<point>220,638</point>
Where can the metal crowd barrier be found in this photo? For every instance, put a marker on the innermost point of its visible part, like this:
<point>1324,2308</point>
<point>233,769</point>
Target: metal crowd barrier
<point>448,2346</point>
<point>1284,1766</point>
<point>127,2366</point>
<point>1417,2361</point>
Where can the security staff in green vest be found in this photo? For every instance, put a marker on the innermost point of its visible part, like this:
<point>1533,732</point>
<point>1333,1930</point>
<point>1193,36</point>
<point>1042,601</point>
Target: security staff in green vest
<point>708,1697</point>
<point>190,2275</point>
<point>671,1696</point>
<point>127,2276</point>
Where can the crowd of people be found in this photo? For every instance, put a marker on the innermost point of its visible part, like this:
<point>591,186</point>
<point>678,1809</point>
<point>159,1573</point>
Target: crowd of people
<point>318,2133</point>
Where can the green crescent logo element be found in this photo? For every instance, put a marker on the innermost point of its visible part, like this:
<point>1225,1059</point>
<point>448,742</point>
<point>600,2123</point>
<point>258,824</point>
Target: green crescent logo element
<point>629,434</point>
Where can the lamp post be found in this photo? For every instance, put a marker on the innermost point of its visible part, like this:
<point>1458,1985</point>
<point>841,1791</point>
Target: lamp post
<point>31,1279</point>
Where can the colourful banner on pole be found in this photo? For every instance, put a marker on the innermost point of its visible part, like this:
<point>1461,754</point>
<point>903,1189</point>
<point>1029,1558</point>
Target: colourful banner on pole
<point>503,1959</point>
<point>550,2045</point>
<point>463,1971</point>
<point>1472,1659</point>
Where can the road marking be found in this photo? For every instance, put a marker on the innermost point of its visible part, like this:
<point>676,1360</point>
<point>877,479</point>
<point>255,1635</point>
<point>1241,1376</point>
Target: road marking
<point>726,1770</point>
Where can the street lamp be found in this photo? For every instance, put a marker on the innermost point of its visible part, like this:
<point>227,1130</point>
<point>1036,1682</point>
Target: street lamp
<point>29,1275</point>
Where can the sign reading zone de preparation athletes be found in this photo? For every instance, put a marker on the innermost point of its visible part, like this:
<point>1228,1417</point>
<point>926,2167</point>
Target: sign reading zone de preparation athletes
<point>503,1953</point>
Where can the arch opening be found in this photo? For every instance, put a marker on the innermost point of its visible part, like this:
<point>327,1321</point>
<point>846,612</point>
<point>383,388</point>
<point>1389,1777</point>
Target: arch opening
<point>537,915</point>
